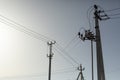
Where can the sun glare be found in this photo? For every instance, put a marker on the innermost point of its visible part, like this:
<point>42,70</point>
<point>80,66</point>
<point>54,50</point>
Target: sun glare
<point>6,54</point>
<point>4,42</point>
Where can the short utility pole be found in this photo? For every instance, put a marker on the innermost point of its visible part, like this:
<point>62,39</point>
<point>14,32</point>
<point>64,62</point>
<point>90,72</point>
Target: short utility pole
<point>50,55</point>
<point>80,75</point>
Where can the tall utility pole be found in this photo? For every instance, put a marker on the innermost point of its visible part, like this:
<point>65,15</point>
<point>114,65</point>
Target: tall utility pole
<point>80,73</point>
<point>97,38</point>
<point>50,58</point>
<point>100,64</point>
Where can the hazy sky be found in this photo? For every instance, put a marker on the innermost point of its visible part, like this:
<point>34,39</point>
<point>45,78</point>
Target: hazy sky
<point>23,53</point>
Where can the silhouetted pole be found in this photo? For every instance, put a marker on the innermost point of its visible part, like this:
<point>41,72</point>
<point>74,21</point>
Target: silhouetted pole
<point>80,73</point>
<point>89,35</point>
<point>100,65</point>
<point>50,58</point>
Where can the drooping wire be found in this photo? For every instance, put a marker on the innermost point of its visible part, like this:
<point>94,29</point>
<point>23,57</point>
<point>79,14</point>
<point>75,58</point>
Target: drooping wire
<point>88,16</point>
<point>76,44</point>
<point>63,50</point>
<point>70,42</point>
<point>24,29</point>
<point>61,53</point>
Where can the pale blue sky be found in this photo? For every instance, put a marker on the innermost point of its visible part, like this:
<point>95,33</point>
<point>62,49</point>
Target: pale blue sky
<point>23,57</point>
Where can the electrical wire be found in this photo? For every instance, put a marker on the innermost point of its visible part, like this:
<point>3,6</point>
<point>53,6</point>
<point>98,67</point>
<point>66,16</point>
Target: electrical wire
<point>23,76</point>
<point>30,33</point>
<point>88,16</point>
<point>111,15</point>
<point>114,17</point>
<point>67,68</point>
<point>64,69</point>
<point>77,42</point>
<point>63,56</point>
<point>63,50</point>
<point>37,75</point>
<point>112,10</point>
<point>63,72</point>
<point>70,42</point>
<point>24,29</point>
<point>114,14</point>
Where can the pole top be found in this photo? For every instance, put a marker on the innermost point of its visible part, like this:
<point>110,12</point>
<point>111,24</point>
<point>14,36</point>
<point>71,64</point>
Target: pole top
<point>51,42</point>
<point>95,6</point>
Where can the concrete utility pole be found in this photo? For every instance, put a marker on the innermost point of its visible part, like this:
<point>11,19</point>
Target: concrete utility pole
<point>89,35</point>
<point>50,58</point>
<point>100,64</point>
<point>81,72</point>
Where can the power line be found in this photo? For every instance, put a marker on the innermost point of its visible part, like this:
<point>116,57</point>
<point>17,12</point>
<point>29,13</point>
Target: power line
<point>114,14</point>
<point>64,56</point>
<point>24,29</point>
<point>63,50</point>
<point>88,16</point>
<point>112,10</point>
<point>70,42</point>
<point>66,68</point>
<point>23,76</point>
<point>63,71</point>
<point>114,17</point>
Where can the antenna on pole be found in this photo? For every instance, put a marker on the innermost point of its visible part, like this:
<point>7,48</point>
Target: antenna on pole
<point>50,55</point>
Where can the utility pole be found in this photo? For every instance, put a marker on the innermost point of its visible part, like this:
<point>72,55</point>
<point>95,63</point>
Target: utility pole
<point>100,64</point>
<point>80,73</point>
<point>50,55</point>
<point>89,35</point>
